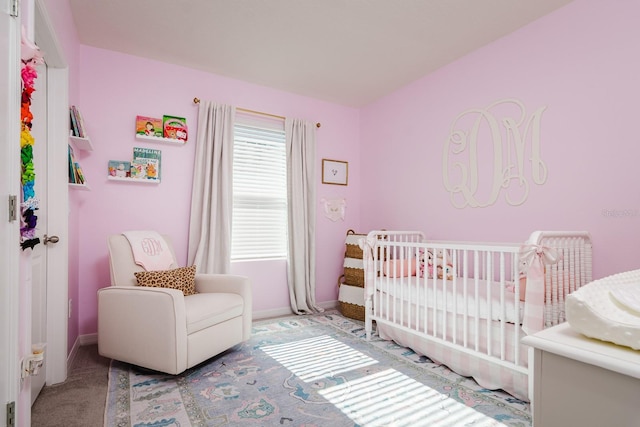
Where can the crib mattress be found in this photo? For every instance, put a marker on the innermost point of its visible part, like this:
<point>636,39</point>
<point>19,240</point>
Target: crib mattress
<point>491,300</point>
<point>608,309</point>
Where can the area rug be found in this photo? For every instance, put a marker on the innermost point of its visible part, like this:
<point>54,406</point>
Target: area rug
<point>308,371</point>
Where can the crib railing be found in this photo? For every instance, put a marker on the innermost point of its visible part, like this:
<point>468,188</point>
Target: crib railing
<point>469,303</point>
<point>472,303</point>
<point>573,271</point>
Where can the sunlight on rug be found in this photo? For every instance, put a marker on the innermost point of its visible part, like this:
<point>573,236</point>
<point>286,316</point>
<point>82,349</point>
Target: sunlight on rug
<point>386,398</point>
<point>316,358</point>
<point>309,371</point>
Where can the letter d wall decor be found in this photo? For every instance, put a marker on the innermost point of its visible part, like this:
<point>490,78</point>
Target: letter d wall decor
<point>492,152</point>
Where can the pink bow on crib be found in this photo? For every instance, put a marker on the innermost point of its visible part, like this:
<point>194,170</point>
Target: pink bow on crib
<point>535,257</point>
<point>367,244</point>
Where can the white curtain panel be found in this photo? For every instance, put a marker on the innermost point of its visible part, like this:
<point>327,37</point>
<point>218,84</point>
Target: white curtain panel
<point>212,193</point>
<point>301,193</point>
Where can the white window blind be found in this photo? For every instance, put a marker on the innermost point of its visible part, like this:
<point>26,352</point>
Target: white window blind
<point>259,228</point>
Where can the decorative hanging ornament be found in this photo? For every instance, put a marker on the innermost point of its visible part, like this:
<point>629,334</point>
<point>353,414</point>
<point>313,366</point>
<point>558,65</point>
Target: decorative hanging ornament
<point>30,57</point>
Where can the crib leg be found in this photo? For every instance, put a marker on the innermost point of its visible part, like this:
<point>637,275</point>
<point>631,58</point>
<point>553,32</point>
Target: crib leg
<point>368,324</point>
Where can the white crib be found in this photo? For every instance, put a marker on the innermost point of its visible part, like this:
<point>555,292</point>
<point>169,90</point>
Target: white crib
<point>468,314</point>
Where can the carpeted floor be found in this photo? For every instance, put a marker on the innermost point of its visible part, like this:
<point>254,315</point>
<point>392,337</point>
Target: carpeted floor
<point>80,400</point>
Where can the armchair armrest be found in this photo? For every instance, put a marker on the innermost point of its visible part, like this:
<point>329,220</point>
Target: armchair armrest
<point>143,326</point>
<point>233,284</point>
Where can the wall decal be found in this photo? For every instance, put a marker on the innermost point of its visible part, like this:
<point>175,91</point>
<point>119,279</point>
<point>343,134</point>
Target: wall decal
<point>492,151</point>
<point>334,209</point>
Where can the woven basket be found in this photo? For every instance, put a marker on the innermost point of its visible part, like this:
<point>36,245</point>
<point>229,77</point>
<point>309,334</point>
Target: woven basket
<point>354,276</point>
<point>353,248</point>
<point>352,311</point>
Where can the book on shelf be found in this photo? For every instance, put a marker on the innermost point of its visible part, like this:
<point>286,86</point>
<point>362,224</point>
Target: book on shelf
<point>147,163</point>
<point>72,123</point>
<point>76,176</point>
<point>119,168</point>
<point>72,175</point>
<point>79,174</point>
<point>77,122</point>
<point>174,127</point>
<point>149,126</point>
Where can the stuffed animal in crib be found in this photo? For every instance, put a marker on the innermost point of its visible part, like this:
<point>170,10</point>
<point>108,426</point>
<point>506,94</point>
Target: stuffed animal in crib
<point>424,259</point>
<point>431,262</point>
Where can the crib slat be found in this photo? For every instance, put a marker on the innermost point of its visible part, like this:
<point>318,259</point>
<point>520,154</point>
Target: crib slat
<point>476,264</point>
<point>466,297</point>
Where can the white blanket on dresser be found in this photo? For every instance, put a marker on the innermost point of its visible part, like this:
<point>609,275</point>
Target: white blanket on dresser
<point>150,250</point>
<point>608,309</point>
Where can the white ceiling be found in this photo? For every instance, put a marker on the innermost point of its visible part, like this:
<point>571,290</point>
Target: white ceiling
<point>349,52</point>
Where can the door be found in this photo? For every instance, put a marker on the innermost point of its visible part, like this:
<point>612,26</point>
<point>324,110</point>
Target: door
<point>9,186</point>
<point>39,254</point>
<point>57,138</point>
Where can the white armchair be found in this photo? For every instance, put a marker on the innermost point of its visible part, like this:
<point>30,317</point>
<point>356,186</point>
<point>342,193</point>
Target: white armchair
<point>160,328</point>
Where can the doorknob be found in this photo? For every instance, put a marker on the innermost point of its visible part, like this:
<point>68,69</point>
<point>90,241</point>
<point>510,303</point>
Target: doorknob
<point>52,239</point>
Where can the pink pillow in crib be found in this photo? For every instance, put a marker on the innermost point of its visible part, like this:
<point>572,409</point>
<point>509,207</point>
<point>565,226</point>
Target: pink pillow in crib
<point>523,288</point>
<point>397,268</point>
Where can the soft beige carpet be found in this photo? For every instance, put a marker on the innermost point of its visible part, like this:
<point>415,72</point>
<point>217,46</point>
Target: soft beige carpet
<point>80,400</point>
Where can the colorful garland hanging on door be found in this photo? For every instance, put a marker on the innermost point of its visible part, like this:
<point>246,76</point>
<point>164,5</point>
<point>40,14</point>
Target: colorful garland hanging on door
<point>31,57</point>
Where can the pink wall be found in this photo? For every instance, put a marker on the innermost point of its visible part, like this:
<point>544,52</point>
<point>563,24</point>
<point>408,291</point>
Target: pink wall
<point>582,63</point>
<point>114,89</point>
<point>579,62</point>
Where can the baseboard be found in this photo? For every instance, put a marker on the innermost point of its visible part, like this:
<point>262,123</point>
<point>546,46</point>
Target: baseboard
<point>81,340</point>
<point>72,354</point>
<point>328,305</point>
<point>88,339</point>
<point>279,312</point>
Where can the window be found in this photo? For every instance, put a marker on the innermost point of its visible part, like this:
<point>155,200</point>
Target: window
<point>259,228</point>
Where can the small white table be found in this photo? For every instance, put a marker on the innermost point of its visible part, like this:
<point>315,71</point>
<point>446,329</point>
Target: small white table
<point>579,381</point>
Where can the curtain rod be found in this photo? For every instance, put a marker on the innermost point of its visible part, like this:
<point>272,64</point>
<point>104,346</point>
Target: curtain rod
<point>246,110</point>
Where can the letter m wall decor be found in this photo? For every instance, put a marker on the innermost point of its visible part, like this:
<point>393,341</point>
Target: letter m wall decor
<point>493,152</point>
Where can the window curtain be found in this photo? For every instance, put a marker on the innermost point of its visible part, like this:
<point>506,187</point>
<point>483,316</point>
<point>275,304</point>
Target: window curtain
<point>212,191</point>
<point>301,194</point>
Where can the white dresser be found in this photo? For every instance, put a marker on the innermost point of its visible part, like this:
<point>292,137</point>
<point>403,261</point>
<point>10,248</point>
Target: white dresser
<point>579,381</point>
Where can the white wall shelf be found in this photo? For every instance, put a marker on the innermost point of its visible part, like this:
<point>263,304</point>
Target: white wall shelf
<point>83,187</point>
<point>158,139</point>
<point>138,180</point>
<point>81,143</point>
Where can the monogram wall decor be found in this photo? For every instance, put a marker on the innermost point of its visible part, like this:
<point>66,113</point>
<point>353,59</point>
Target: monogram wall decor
<point>493,151</point>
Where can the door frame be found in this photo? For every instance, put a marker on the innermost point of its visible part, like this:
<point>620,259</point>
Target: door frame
<point>58,200</point>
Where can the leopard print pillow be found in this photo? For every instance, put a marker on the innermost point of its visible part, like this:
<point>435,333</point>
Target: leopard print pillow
<point>183,278</point>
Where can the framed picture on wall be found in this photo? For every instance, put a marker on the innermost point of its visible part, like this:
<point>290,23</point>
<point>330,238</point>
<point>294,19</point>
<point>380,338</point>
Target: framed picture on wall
<point>335,172</point>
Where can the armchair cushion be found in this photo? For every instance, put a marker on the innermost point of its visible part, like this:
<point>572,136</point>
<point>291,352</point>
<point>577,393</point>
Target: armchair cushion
<point>182,278</point>
<point>208,309</point>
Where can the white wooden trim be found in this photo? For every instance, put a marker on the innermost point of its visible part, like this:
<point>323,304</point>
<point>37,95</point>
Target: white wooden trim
<point>58,265</point>
<point>82,340</point>
<point>88,339</point>
<point>286,311</point>
<point>58,134</point>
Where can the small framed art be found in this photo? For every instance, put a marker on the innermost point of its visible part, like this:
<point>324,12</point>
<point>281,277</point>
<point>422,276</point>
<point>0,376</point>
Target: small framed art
<point>335,172</point>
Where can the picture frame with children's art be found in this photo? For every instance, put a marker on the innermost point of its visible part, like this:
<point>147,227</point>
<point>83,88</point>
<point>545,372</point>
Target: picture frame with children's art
<point>335,172</point>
